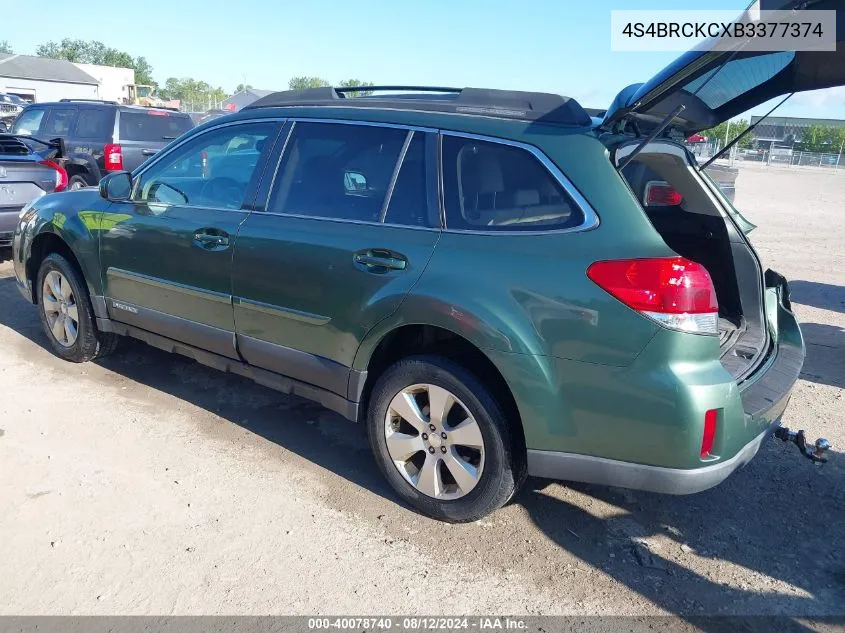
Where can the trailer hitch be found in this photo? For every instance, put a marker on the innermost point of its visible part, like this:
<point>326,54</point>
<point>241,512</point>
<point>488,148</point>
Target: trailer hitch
<point>814,452</point>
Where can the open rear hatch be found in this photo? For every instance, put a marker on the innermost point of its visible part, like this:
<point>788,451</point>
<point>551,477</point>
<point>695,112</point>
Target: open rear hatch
<point>714,86</point>
<point>701,89</point>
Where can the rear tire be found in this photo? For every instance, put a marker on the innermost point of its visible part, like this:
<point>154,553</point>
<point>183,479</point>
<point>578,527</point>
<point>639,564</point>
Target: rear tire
<point>64,307</point>
<point>471,439</point>
<point>77,181</point>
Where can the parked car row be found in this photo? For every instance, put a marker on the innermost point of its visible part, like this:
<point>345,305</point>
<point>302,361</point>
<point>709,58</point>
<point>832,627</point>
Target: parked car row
<point>100,136</point>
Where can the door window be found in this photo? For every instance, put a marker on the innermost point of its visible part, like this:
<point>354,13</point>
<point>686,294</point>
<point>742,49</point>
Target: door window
<point>494,186</point>
<point>59,122</point>
<point>28,122</point>
<point>409,200</point>
<point>214,169</point>
<point>337,170</point>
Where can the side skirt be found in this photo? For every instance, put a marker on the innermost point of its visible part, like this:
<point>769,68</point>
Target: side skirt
<point>330,400</point>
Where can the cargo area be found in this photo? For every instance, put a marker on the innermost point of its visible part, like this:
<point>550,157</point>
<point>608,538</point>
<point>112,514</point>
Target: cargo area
<point>693,218</point>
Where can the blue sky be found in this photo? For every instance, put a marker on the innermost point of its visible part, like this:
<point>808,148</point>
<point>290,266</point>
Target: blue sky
<point>551,45</point>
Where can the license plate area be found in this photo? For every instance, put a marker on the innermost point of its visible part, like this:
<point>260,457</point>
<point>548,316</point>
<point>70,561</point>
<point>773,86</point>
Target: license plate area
<point>17,194</point>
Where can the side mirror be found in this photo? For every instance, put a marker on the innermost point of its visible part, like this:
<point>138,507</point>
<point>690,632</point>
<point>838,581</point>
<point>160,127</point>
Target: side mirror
<point>116,186</point>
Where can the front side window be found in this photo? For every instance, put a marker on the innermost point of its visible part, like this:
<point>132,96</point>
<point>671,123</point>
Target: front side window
<point>28,122</point>
<point>336,170</point>
<point>213,170</point>
<point>493,186</point>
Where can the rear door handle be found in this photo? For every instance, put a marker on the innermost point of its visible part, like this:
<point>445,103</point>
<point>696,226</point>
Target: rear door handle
<point>149,152</point>
<point>380,260</point>
<point>217,241</point>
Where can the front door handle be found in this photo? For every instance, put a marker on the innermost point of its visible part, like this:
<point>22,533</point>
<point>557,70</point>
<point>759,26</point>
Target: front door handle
<point>216,241</point>
<point>380,260</point>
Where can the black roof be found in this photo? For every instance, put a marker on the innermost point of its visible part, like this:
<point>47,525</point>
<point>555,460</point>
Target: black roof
<point>511,104</point>
<point>94,103</point>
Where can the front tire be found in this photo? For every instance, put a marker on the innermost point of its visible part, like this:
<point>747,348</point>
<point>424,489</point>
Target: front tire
<point>441,440</point>
<point>66,313</point>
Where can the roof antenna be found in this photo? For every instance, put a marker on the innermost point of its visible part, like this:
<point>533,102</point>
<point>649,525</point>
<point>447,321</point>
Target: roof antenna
<point>743,133</point>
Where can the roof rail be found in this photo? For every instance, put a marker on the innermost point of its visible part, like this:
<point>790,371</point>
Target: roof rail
<point>512,104</point>
<point>155,107</point>
<point>87,101</point>
<point>345,89</point>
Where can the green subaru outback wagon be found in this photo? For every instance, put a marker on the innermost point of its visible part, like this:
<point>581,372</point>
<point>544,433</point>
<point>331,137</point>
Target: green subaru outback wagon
<point>493,284</point>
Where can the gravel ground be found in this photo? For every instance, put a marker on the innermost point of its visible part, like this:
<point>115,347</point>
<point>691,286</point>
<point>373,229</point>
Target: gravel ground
<point>148,484</point>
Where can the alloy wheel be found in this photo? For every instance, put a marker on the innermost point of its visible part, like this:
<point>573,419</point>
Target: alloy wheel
<point>434,441</point>
<point>59,305</point>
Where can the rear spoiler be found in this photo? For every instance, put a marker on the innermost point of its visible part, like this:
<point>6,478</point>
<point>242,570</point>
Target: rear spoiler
<point>56,145</point>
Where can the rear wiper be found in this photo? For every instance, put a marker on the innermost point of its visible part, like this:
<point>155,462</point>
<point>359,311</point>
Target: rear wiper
<point>57,144</point>
<point>743,133</point>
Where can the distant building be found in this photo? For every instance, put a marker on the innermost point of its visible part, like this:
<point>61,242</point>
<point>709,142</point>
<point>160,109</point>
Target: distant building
<point>244,98</point>
<point>785,131</point>
<point>112,81</point>
<point>44,79</point>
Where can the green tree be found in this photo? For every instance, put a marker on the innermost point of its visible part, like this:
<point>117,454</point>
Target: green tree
<point>301,83</point>
<point>822,138</point>
<point>357,83</point>
<point>195,95</point>
<point>736,127</point>
<point>5,47</point>
<point>242,87</point>
<point>94,52</point>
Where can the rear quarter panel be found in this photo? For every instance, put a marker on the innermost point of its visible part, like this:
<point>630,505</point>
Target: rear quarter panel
<point>525,299</point>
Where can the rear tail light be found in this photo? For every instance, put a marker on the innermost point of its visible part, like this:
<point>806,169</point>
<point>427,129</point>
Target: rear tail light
<point>659,193</point>
<point>113,157</point>
<point>674,291</point>
<point>710,418</point>
<point>60,174</point>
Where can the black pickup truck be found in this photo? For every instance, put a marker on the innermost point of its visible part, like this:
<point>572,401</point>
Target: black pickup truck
<point>29,168</point>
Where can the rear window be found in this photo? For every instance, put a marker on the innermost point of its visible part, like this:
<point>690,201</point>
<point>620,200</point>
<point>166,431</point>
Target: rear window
<point>94,123</point>
<point>153,126</point>
<point>492,186</point>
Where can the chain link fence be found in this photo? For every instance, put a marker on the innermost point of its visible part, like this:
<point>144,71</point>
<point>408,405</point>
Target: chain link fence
<point>790,158</point>
<point>774,157</point>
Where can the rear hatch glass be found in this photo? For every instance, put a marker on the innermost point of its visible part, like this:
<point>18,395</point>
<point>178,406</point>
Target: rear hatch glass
<point>154,126</point>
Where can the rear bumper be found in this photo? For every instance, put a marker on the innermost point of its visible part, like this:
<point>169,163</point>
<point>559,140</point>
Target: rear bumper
<point>8,222</point>
<point>610,472</point>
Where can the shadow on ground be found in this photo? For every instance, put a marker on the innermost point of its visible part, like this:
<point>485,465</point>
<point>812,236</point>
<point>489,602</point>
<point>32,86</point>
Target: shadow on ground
<point>825,361</point>
<point>819,295</point>
<point>777,521</point>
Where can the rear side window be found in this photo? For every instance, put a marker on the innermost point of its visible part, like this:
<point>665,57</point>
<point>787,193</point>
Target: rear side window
<point>409,203</point>
<point>493,186</point>
<point>59,122</point>
<point>337,171</point>
<point>95,123</point>
<point>28,121</point>
<point>152,126</point>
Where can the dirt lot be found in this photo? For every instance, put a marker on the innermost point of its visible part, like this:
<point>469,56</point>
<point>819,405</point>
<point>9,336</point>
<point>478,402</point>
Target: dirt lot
<point>147,484</point>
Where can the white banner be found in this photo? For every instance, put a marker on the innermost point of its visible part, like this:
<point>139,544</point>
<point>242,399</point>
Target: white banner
<point>718,30</point>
